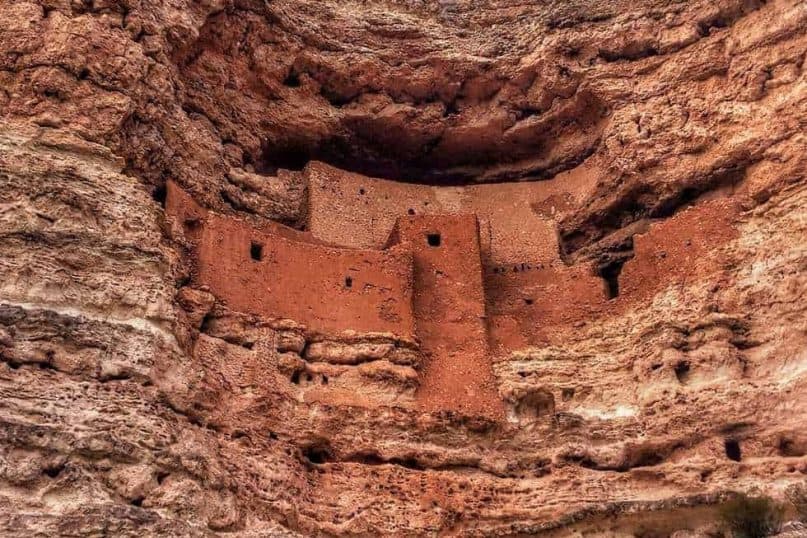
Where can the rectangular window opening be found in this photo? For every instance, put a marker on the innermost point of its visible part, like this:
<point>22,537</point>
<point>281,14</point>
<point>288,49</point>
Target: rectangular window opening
<point>256,251</point>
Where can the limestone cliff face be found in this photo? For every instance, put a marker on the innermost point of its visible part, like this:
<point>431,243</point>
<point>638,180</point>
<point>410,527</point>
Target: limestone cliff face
<point>399,268</point>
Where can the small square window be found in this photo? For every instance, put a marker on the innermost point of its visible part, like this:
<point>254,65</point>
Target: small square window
<point>256,251</point>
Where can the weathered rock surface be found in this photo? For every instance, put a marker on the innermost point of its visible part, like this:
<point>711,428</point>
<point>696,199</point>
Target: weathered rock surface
<point>135,401</point>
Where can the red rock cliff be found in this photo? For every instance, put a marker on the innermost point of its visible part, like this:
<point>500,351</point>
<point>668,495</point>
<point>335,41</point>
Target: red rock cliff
<point>343,268</point>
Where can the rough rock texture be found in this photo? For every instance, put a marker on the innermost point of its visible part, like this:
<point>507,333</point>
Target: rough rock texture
<point>662,361</point>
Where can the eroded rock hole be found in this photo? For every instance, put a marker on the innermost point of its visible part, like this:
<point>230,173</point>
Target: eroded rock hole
<point>348,282</point>
<point>528,301</point>
<point>408,463</point>
<point>688,196</point>
<point>732,448</point>
<point>292,80</point>
<point>682,372</point>
<point>287,156</point>
<point>535,405</point>
<point>789,449</point>
<point>160,194</point>
<point>256,251</point>
<point>52,94</point>
<point>317,453</point>
<point>642,457</point>
<point>367,458</point>
<point>53,471</point>
<point>204,326</point>
<point>609,272</point>
<point>433,240</point>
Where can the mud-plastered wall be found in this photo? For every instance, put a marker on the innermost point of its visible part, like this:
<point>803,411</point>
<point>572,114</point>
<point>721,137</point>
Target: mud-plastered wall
<point>516,219</point>
<point>276,273</point>
<point>449,307</point>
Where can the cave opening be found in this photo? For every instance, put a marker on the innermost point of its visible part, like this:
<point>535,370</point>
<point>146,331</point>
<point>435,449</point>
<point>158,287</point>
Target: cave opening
<point>292,80</point>
<point>433,239</point>
<point>288,156</point>
<point>317,453</point>
<point>160,194</point>
<point>53,471</point>
<point>535,405</point>
<point>682,371</point>
<point>428,164</point>
<point>732,448</point>
<point>610,272</point>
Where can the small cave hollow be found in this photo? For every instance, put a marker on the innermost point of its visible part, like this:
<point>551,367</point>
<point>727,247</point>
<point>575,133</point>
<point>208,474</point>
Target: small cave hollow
<point>317,453</point>
<point>191,224</point>
<point>292,80</point>
<point>286,156</point>
<point>53,471</point>
<point>535,405</point>
<point>433,239</point>
<point>160,195</point>
<point>788,448</point>
<point>610,272</point>
<point>732,449</point>
<point>682,370</point>
<point>643,457</point>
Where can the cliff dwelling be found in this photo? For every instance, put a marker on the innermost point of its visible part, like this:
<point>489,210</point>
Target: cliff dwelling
<point>458,275</point>
<point>401,268</point>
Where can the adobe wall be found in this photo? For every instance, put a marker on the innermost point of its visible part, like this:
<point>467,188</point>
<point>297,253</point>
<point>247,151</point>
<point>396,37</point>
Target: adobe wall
<point>449,308</point>
<point>515,218</point>
<point>326,288</point>
<point>531,304</point>
<point>527,303</point>
<point>463,308</point>
<point>531,296</point>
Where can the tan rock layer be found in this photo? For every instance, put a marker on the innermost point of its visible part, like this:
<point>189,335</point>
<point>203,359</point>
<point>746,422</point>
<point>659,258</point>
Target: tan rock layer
<point>128,408</point>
